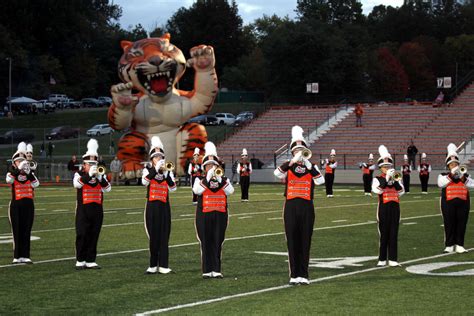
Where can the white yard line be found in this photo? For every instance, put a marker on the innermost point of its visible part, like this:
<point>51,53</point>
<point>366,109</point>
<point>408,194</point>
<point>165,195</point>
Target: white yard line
<point>340,220</point>
<point>410,223</point>
<point>274,218</point>
<point>275,288</point>
<point>244,217</point>
<point>132,213</point>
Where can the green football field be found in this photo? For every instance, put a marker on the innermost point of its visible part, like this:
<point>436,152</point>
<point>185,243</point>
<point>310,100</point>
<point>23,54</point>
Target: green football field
<point>344,279</point>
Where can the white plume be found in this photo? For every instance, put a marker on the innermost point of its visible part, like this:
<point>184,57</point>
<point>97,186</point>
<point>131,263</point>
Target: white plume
<point>452,149</point>
<point>156,142</point>
<point>29,148</point>
<point>210,149</point>
<point>383,152</point>
<point>371,156</point>
<point>244,152</point>
<point>333,152</point>
<point>196,151</point>
<point>297,133</point>
<point>405,157</point>
<point>21,147</point>
<point>92,145</point>
<point>423,155</point>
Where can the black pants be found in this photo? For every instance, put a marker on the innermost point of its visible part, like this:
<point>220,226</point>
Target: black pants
<point>192,184</point>
<point>211,227</point>
<point>299,222</point>
<point>406,182</point>
<point>329,181</point>
<point>21,213</point>
<point>424,183</point>
<point>388,217</point>
<point>244,187</point>
<point>455,216</point>
<point>158,228</point>
<point>89,218</point>
<point>367,178</point>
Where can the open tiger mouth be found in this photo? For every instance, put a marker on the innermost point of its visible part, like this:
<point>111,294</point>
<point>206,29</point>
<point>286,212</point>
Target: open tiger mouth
<point>158,83</point>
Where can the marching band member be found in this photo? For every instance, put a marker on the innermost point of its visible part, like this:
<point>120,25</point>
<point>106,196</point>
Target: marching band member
<point>300,177</point>
<point>367,174</point>
<point>211,213</point>
<point>22,208</point>
<point>194,171</point>
<point>455,202</point>
<point>244,167</point>
<point>387,185</point>
<point>90,185</point>
<point>406,170</point>
<point>424,169</point>
<point>159,180</point>
<point>330,166</point>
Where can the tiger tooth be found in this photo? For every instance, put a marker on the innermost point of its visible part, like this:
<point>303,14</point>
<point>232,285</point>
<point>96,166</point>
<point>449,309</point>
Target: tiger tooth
<point>148,77</point>
<point>168,73</point>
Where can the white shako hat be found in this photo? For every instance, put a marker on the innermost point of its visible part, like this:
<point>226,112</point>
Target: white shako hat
<point>333,153</point>
<point>196,152</point>
<point>29,148</point>
<point>452,154</point>
<point>423,156</point>
<point>371,156</point>
<point>405,157</point>
<point>20,152</point>
<point>385,159</point>
<point>91,155</point>
<point>210,155</point>
<point>297,139</point>
<point>244,152</point>
<point>156,147</point>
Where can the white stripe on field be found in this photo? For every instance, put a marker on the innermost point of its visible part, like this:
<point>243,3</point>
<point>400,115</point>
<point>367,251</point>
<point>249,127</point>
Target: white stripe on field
<point>340,220</point>
<point>131,213</point>
<point>275,288</point>
<point>274,218</point>
<point>411,223</point>
<point>244,217</point>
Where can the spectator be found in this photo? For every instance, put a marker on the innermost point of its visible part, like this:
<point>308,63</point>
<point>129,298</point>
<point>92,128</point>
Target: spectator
<point>234,171</point>
<point>42,152</point>
<point>440,98</point>
<point>411,152</point>
<point>101,161</point>
<point>359,111</point>
<point>73,166</point>
<point>50,150</point>
<point>115,168</point>
<point>112,148</point>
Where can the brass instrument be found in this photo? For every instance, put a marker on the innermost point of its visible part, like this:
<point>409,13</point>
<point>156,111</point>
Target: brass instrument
<point>101,170</point>
<point>219,172</point>
<point>463,169</point>
<point>169,166</point>
<point>397,176</point>
<point>33,164</point>
<point>306,153</point>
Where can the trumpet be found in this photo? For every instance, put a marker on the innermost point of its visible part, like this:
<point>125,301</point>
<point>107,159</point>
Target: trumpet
<point>397,176</point>
<point>219,172</point>
<point>463,169</point>
<point>101,170</point>
<point>306,153</point>
<point>169,166</point>
<point>33,164</point>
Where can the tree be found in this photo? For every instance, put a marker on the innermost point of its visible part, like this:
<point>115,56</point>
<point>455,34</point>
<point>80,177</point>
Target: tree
<point>389,79</point>
<point>330,11</point>
<point>418,68</point>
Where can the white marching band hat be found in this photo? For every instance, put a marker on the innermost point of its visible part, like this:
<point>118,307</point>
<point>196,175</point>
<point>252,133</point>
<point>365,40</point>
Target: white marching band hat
<point>244,152</point>
<point>405,157</point>
<point>333,152</point>
<point>210,155</point>
<point>385,159</point>
<point>91,155</point>
<point>20,152</point>
<point>29,148</point>
<point>156,147</point>
<point>423,156</point>
<point>452,154</point>
<point>297,139</point>
<point>196,152</point>
<point>371,156</point>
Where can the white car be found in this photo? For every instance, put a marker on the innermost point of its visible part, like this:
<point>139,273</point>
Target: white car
<point>225,118</point>
<point>100,129</point>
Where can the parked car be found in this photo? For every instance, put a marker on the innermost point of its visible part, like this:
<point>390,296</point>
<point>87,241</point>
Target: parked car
<point>243,118</point>
<point>91,103</point>
<point>107,101</point>
<point>15,136</point>
<point>99,129</point>
<point>204,119</point>
<point>45,106</point>
<point>225,118</point>
<point>211,120</point>
<point>57,98</point>
<point>62,132</point>
<point>71,104</point>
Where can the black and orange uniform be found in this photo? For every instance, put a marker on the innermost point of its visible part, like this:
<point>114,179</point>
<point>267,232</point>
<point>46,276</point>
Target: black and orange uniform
<point>455,206</point>
<point>329,173</point>
<point>367,175</point>
<point>406,171</point>
<point>388,216</point>
<point>195,171</point>
<point>158,214</point>
<point>298,213</point>
<point>89,214</point>
<point>244,169</point>
<point>21,211</point>
<point>211,221</point>
<point>424,170</point>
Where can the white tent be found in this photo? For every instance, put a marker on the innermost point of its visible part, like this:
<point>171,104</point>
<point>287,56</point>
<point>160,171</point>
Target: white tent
<point>23,100</point>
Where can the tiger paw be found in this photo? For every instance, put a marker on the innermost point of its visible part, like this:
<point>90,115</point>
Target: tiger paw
<point>122,95</point>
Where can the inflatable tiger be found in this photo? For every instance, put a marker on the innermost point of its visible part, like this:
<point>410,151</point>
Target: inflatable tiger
<point>152,67</point>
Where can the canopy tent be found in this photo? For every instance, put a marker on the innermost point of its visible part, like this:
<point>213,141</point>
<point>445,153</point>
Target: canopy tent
<point>21,100</point>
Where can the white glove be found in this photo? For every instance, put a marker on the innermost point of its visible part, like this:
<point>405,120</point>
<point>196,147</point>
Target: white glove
<point>210,174</point>
<point>99,177</point>
<point>390,173</point>
<point>145,172</point>
<point>92,171</point>
<point>24,166</point>
<point>160,164</point>
<point>219,179</point>
<point>455,170</point>
<point>390,182</point>
<point>296,158</point>
<point>165,174</point>
<point>307,164</point>
<point>171,175</point>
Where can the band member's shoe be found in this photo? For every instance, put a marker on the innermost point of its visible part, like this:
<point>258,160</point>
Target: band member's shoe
<point>424,192</point>
<point>207,275</point>
<point>393,263</point>
<point>303,281</point>
<point>80,265</point>
<point>330,196</point>
<point>245,200</point>
<point>164,270</point>
<point>381,263</point>
<point>449,249</point>
<point>26,260</point>
<point>195,203</point>
<point>16,261</point>
<point>217,275</point>
<point>92,265</point>
<point>151,270</point>
<point>460,249</point>
<point>294,281</point>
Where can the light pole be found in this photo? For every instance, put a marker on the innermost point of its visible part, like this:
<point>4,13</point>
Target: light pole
<point>9,84</point>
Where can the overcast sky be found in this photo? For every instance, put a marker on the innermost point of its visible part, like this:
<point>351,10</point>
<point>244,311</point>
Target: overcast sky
<point>151,13</point>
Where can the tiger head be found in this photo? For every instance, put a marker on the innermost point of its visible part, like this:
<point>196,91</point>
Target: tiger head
<point>153,65</point>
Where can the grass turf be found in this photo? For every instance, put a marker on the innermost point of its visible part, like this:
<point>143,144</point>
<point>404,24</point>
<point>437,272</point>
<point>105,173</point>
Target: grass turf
<point>345,227</point>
